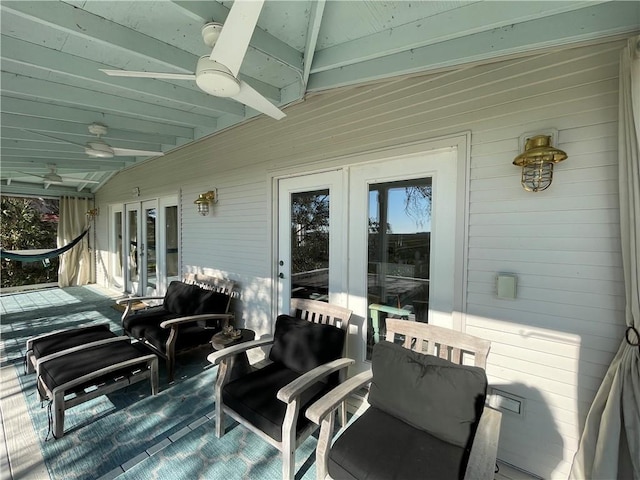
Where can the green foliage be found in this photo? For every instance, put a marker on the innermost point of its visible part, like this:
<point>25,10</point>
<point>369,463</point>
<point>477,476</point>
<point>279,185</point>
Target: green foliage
<point>309,231</point>
<point>28,223</point>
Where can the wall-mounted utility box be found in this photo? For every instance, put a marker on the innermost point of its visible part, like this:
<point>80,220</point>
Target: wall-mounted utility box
<point>506,402</point>
<point>506,285</point>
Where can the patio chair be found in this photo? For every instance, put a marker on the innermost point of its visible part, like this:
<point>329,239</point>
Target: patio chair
<point>306,362</point>
<point>425,415</point>
<point>190,314</point>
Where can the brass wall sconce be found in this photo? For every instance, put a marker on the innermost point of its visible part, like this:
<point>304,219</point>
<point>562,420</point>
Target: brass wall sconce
<point>93,213</point>
<point>204,200</point>
<point>537,163</point>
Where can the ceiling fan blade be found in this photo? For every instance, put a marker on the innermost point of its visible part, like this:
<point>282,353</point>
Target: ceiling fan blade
<point>157,75</point>
<point>32,174</point>
<point>78,180</point>
<point>128,152</point>
<point>55,138</point>
<point>255,100</point>
<point>237,30</point>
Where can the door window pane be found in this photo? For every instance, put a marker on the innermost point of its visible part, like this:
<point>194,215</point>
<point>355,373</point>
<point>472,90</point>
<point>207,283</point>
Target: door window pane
<point>150,249</point>
<point>310,245</point>
<point>399,244</point>
<point>171,243</point>
<point>119,254</point>
<point>133,246</point>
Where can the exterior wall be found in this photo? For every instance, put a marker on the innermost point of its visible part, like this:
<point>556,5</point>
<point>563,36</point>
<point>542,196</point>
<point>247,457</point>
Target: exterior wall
<point>552,344</point>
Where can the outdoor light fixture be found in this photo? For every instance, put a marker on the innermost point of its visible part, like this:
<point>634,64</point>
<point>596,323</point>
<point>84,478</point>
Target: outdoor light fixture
<point>537,163</point>
<point>204,200</point>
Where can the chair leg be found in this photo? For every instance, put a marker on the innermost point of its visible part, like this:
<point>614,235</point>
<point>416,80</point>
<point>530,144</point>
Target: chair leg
<point>289,441</point>
<point>58,414</point>
<point>220,382</point>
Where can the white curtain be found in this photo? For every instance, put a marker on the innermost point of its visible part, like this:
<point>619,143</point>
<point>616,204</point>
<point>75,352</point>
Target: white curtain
<point>75,266</point>
<point>610,444</point>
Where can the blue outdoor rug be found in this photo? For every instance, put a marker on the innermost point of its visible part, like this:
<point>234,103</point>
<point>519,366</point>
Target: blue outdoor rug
<point>131,434</point>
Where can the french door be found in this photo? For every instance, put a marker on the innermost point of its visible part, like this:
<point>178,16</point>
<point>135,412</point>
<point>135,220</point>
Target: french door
<point>380,237</point>
<point>310,225</point>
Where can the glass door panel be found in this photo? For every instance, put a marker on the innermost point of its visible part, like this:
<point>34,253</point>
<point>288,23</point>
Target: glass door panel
<point>171,270</point>
<point>132,249</point>
<point>310,245</point>
<point>148,250</point>
<point>399,252</point>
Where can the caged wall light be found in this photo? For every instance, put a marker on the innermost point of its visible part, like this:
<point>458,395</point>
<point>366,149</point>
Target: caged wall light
<point>204,200</point>
<point>537,163</point>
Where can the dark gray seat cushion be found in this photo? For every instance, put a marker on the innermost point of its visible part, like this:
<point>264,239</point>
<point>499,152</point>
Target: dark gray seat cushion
<point>378,446</point>
<point>66,368</point>
<point>298,346</point>
<point>253,396</point>
<point>69,339</point>
<point>432,394</point>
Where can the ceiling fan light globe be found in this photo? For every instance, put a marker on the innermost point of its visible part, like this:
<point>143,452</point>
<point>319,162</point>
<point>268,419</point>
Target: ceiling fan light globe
<point>210,33</point>
<point>216,79</point>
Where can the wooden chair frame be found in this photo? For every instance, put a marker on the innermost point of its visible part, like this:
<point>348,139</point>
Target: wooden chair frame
<point>445,343</point>
<point>313,311</point>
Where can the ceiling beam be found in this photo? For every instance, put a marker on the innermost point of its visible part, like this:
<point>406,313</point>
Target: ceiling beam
<point>261,40</point>
<point>587,24</point>
<point>69,166</point>
<point>18,188</point>
<point>55,127</point>
<point>75,21</point>
<point>57,92</point>
<point>25,53</point>
<point>129,129</point>
<point>315,21</point>
<point>438,28</point>
<point>9,153</point>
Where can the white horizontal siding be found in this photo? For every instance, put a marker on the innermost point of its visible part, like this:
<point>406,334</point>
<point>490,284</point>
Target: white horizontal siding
<point>552,344</point>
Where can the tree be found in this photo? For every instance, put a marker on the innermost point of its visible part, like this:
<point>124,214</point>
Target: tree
<point>28,223</point>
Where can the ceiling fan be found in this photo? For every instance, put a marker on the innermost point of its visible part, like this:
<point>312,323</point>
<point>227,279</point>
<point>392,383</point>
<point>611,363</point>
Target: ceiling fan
<point>98,148</point>
<point>217,74</point>
<point>54,179</point>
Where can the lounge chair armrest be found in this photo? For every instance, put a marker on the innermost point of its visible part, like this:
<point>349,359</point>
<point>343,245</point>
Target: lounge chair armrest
<point>333,399</point>
<point>217,357</point>
<point>482,458</point>
<point>194,318</point>
<point>122,301</point>
<point>301,383</point>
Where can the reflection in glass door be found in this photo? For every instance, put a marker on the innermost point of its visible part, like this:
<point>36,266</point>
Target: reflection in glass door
<point>132,249</point>
<point>399,252</point>
<point>148,253</point>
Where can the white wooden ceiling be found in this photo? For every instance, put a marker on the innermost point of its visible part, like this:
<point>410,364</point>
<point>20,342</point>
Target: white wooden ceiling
<point>51,53</point>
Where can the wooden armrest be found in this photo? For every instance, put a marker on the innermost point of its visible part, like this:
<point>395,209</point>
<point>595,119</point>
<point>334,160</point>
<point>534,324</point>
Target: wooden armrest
<point>122,301</point>
<point>333,399</point>
<point>193,318</point>
<point>30,341</point>
<point>482,458</point>
<point>218,357</point>
<point>301,383</point>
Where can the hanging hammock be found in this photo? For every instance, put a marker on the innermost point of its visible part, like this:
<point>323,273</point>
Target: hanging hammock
<point>36,257</point>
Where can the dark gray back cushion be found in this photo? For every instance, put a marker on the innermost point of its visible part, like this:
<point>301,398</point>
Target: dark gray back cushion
<point>302,345</point>
<point>430,393</point>
<point>208,301</point>
<point>180,298</point>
